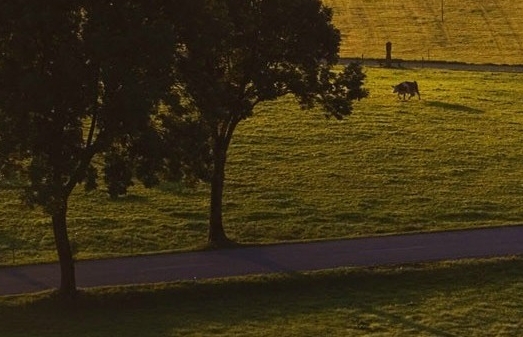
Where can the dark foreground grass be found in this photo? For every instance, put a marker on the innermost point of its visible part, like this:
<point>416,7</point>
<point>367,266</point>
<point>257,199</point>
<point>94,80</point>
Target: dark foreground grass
<point>467,298</point>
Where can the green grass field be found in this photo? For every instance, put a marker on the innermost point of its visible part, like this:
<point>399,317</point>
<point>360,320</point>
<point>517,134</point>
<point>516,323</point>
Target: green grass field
<point>474,298</point>
<point>451,160</point>
<point>471,31</point>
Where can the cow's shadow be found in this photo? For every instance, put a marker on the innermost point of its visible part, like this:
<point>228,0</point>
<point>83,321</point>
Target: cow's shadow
<point>453,106</point>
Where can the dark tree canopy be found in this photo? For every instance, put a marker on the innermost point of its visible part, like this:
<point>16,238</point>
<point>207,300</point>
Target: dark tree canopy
<point>238,53</point>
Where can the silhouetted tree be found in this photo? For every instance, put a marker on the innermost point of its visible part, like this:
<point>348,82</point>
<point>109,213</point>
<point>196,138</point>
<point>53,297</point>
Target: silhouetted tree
<point>239,53</point>
<point>77,78</point>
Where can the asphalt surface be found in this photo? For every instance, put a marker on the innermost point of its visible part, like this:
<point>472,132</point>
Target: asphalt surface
<point>283,258</point>
<point>405,64</point>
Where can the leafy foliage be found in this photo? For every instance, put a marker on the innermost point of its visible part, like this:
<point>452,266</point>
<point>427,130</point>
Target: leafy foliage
<point>117,172</point>
<point>43,84</point>
<point>342,89</point>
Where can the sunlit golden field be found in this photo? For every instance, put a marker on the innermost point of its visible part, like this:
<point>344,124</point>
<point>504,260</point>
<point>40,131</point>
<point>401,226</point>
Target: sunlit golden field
<point>465,30</point>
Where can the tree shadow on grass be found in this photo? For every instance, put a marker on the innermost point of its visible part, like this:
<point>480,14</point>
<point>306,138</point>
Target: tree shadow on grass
<point>366,300</point>
<point>454,107</point>
<point>406,322</point>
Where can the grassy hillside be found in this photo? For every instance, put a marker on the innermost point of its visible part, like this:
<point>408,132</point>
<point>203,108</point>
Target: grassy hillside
<point>471,31</point>
<point>451,160</point>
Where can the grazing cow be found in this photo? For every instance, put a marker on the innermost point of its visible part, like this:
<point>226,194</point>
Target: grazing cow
<point>405,88</point>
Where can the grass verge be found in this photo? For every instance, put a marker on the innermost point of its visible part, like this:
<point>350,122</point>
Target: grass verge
<point>466,298</point>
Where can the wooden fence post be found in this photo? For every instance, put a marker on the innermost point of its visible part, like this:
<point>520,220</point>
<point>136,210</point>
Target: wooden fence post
<point>388,57</point>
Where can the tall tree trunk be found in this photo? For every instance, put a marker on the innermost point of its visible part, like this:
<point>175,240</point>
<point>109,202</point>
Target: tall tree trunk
<point>65,255</point>
<point>216,232</point>
<point>222,140</point>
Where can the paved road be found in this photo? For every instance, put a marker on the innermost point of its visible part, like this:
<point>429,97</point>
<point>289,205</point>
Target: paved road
<point>517,68</point>
<point>284,258</point>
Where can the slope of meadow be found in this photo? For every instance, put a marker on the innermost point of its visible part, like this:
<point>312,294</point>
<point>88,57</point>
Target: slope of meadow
<point>450,160</point>
<point>451,30</point>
